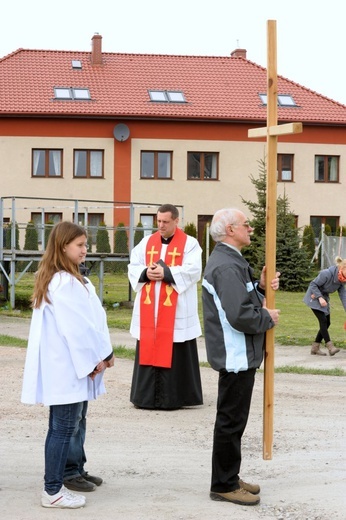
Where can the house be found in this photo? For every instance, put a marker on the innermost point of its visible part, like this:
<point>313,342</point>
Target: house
<point>110,129</point>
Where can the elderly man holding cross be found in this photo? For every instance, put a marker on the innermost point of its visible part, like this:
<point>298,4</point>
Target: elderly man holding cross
<point>235,322</point>
<point>164,270</point>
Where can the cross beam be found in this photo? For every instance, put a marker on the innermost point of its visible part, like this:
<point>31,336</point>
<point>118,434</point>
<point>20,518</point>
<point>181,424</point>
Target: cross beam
<point>271,132</point>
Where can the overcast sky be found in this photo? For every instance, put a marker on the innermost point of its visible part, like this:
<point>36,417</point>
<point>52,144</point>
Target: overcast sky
<point>310,40</point>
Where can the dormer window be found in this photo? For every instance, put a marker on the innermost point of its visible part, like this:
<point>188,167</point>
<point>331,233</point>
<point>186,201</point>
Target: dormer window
<point>167,96</point>
<point>284,100</point>
<point>72,93</point>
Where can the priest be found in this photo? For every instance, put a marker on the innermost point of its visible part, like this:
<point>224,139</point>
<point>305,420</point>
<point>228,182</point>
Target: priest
<point>164,270</point>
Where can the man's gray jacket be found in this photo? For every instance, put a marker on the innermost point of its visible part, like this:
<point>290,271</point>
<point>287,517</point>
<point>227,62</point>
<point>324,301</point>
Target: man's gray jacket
<point>234,319</point>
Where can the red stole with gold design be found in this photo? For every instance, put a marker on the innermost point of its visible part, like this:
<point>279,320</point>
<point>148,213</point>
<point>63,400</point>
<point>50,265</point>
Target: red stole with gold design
<point>156,340</point>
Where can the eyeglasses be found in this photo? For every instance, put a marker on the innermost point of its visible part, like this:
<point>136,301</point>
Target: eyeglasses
<point>245,224</point>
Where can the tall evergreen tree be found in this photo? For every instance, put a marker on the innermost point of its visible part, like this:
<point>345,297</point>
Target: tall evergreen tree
<point>190,229</point>
<point>8,236</point>
<point>291,259</point>
<point>31,237</point>
<point>102,239</point>
<point>121,246</point>
<point>139,234</point>
<point>120,239</point>
<point>31,243</point>
<point>309,241</point>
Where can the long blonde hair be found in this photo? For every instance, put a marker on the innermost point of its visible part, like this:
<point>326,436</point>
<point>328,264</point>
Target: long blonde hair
<point>54,260</point>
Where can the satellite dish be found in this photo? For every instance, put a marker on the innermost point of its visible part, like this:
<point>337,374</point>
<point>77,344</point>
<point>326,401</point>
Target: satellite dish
<point>121,132</point>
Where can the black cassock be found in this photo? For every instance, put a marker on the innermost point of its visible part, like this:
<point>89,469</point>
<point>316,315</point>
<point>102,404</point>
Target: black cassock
<point>168,388</point>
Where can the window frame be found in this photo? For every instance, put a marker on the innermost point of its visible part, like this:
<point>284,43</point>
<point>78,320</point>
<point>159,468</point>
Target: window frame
<point>326,179</point>
<point>88,174</point>
<point>72,93</point>
<point>47,163</point>
<point>326,220</point>
<point>202,169</point>
<point>283,100</point>
<point>91,226</point>
<point>156,165</point>
<point>167,96</point>
<point>280,168</point>
<point>55,217</point>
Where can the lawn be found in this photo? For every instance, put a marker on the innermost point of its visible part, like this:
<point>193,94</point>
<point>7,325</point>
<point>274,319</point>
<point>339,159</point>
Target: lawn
<point>297,326</point>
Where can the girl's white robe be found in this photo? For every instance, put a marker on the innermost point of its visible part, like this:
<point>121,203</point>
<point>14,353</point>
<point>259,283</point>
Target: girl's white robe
<point>67,339</point>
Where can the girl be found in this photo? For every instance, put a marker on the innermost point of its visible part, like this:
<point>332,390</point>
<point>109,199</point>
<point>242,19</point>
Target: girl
<point>68,350</point>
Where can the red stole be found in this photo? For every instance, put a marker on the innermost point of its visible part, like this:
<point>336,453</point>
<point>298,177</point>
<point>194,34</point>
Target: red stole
<point>156,341</point>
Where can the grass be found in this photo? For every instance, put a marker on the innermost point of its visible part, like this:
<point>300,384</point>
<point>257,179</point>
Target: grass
<point>10,341</point>
<point>297,326</point>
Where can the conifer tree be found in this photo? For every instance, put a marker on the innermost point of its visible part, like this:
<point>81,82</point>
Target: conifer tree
<point>120,239</point>
<point>139,234</point>
<point>291,259</point>
<point>121,246</point>
<point>31,237</point>
<point>31,243</point>
<point>102,239</point>
<point>190,229</point>
<point>8,236</point>
<point>309,241</point>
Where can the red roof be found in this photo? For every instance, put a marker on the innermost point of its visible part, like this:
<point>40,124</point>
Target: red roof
<point>215,88</point>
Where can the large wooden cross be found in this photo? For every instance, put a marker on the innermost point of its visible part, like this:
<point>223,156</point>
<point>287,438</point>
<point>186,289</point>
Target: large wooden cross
<point>271,132</point>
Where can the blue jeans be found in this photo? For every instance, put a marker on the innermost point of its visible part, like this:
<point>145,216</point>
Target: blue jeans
<point>76,455</point>
<point>62,423</point>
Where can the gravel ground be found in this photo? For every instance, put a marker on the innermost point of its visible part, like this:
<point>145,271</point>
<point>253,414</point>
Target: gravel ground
<point>156,465</point>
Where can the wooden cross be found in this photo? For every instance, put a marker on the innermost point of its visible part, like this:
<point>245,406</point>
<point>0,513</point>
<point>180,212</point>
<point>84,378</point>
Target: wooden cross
<point>151,253</point>
<point>173,255</point>
<point>271,132</point>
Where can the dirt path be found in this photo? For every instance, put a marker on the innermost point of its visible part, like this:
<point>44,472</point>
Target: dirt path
<point>156,465</point>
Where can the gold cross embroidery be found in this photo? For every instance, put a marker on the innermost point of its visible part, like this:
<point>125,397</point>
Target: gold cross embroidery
<point>151,253</point>
<point>173,255</point>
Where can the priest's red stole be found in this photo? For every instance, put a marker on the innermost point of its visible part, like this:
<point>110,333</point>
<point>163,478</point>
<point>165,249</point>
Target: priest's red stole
<point>156,339</point>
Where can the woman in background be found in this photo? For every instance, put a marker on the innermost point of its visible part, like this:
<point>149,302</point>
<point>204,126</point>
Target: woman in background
<point>317,298</point>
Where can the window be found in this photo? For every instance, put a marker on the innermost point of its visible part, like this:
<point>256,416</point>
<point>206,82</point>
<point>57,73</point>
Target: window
<point>76,64</point>
<point>326,168</point>
<point>91,222</point>
<point>202,166</point>
<point>149,223</point>
<point>71,93</point>
<point>50,219</point>
<point>316,223</point>
<point>284,100</point>
<point>167,96</point>
<point>156,165</point>
<point>88,163</point>
<point>285,167</point>
<point>46,163</point>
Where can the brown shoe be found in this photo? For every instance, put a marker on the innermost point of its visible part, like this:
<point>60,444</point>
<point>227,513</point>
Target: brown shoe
<point>239,496</point>
<point>254,489</point>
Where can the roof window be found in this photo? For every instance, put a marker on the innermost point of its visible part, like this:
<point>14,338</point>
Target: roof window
<point>71,93</point>
<point>284,100</point>
<point>76,64</point>
<point>167,96</point>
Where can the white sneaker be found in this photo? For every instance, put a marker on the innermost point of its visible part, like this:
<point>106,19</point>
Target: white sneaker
<point>63,500</point>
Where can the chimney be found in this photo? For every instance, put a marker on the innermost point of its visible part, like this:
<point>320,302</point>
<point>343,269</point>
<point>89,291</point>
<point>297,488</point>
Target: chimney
<point>96,49</point>
<point>239,53</point>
